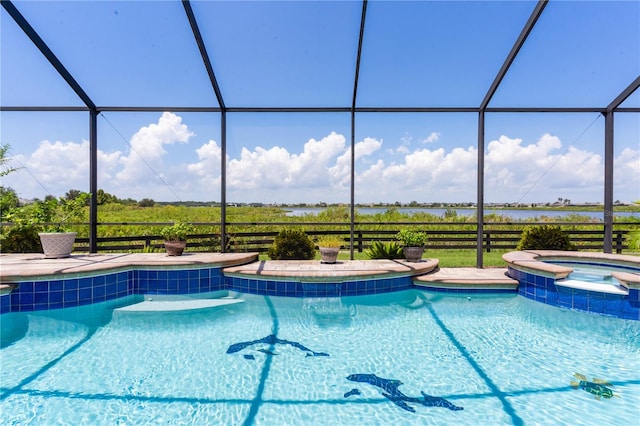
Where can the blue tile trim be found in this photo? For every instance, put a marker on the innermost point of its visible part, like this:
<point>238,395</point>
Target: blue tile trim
<point>297,288</point>
<point>75,291</point>
<point>543,289</point>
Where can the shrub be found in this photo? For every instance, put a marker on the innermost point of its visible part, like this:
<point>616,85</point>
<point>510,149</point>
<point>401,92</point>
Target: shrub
<point>380,250</point>
<point>544,237</point>
<point>176,232</point>
<point>410,238</point>
<point>330,241</point>
<point>292,244</point>
<point>21,238</point>
<point>633,239</point>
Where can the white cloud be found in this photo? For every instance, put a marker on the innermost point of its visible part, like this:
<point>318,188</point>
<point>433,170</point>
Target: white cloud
<point>145,157</point>
<point>55,167</point>
<point>276,167</point>
<point>320,170</point>
<point>514,168</point>
<point>433,137</point>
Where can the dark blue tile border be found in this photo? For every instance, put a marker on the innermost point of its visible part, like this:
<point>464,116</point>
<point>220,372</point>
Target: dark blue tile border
<point>306,288</point>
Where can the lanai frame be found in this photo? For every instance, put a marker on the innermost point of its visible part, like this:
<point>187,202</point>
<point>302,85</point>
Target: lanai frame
<point>93,110</point>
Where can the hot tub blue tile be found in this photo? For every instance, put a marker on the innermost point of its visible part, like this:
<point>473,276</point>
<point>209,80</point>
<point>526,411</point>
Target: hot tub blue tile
<point>565,299</point>
<point>41,286</point>
<point>56,285</point>
<point>596,305</point>
<point>580,301</point>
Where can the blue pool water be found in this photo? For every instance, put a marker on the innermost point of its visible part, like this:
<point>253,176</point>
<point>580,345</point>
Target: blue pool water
<point>306,361</point>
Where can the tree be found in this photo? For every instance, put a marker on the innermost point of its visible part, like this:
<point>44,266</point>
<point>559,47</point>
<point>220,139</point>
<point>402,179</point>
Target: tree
<point>4,170</point>
<point>8,200</point>
<point>146,202</point>
<point>106,198</point>
<point>72,194</point>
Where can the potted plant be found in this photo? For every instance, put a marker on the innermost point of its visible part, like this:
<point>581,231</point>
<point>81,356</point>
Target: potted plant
<point>49,220</point>
<point>413,243</point>
<point>175,238</point>
<point>329,246</point>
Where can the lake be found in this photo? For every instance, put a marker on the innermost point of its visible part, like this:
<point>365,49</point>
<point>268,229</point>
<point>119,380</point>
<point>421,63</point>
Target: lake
<point>515,214</point>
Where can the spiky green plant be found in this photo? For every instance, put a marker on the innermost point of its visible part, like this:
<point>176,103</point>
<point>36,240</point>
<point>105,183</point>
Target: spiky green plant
<point>380,250</point>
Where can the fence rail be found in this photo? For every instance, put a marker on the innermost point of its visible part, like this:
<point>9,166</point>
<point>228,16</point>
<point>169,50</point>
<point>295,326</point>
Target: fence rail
<point>496,236</point>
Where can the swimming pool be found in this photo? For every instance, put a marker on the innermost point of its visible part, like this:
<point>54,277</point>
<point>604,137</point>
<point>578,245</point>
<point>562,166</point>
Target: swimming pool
<point>502,359</point>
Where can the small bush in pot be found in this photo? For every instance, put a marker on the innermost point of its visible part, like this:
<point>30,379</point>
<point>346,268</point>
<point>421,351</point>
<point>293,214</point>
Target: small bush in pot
<point>410,238</point>
<point>48,221</point>
<point>175,237</point>
<point>330,241</point>
<point>329,246</point>
<point>413,243</point>
<point>292,244</point>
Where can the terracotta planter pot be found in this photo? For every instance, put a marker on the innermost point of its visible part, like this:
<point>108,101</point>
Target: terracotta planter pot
<point>413,254</point>
<point>56,245</point>
<point>175,248</point>
<point>329,254</point>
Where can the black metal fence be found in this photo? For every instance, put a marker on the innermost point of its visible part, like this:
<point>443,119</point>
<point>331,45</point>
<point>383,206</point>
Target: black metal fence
<point>442,235</point>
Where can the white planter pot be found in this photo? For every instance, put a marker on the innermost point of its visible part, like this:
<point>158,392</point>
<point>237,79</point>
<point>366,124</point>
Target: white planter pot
<point>56,245</point>
<point>329,254</point>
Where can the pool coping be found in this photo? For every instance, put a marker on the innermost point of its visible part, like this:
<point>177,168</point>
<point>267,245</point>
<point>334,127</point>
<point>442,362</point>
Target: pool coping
<point>316,271</point>
<point>425,274</point>
<point>16,267</point>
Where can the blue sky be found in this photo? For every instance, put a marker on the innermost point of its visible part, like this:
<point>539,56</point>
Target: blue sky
<point>293,54</point>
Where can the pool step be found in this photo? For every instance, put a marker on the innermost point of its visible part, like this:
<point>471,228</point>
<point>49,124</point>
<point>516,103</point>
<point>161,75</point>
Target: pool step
<point>467,279</point>
<point>592,286</point>
<point>167,305</point>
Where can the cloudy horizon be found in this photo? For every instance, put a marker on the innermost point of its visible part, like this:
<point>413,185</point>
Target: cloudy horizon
<point>163,161</point>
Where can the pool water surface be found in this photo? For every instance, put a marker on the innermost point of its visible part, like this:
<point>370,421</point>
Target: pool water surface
<point>410,357</point>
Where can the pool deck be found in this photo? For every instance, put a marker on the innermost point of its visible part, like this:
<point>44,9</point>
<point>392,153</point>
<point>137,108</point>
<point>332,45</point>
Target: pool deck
<point>18,267</point>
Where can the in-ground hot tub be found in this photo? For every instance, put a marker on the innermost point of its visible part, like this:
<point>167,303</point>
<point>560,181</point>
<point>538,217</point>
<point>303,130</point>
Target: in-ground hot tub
<point>600,283</point>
